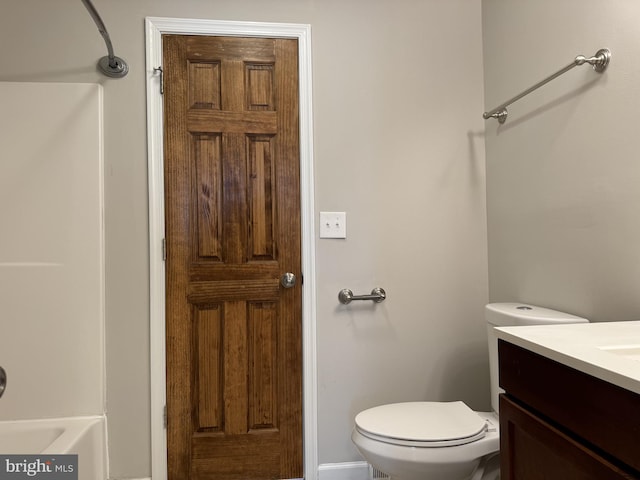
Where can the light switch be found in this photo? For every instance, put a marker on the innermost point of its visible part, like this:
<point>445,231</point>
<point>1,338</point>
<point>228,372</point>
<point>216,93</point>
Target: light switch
<point>333,225</point>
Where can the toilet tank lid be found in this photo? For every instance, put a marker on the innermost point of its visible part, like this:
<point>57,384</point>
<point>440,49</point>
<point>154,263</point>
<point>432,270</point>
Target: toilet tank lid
<point>511,314</point>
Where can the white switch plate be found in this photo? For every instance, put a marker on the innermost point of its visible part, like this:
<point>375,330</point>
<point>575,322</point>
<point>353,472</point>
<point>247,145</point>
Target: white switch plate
<point>333,225</point>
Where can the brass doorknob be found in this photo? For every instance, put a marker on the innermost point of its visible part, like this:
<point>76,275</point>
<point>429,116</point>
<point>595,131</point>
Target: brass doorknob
<point>288,280</point>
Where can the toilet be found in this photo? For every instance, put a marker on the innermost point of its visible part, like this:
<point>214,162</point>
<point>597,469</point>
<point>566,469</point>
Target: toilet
<point>446,440</point>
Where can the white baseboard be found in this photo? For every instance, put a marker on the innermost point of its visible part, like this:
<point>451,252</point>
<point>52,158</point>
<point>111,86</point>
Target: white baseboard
<point>145,478</point>
<point>328,471</point>
<point>344,471</point>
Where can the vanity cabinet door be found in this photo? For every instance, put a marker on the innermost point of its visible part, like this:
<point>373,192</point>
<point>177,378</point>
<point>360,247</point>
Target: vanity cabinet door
<point>532,449</point>
<point>604,415</point>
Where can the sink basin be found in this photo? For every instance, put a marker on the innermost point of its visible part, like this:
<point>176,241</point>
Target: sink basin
<point>628,351</point>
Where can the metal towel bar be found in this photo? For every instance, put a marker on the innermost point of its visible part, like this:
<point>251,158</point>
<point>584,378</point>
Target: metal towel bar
<point>346,296</point>
<point>599,61</point>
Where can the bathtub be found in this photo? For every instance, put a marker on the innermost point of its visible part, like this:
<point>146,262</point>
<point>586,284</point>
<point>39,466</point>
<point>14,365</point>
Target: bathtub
<point>85,436</point>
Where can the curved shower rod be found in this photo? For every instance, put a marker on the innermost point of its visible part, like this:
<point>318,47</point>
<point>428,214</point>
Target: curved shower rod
<point>110,65</point>
<point>599,62</point>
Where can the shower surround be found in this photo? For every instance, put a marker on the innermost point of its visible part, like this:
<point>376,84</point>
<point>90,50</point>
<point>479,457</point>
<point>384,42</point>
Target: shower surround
<point>51,251</point>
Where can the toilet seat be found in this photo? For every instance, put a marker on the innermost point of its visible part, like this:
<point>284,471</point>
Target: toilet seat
<point>422,424</point>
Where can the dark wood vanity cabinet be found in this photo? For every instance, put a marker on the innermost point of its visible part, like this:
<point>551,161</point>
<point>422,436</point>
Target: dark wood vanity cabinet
<point>557,423</point>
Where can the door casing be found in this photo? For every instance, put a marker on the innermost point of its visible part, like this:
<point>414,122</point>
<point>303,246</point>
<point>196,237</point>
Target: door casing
<point>155,27</point>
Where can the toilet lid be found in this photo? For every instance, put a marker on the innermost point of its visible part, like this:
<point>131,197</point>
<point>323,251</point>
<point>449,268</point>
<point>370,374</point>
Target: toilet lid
<point>426,424</point>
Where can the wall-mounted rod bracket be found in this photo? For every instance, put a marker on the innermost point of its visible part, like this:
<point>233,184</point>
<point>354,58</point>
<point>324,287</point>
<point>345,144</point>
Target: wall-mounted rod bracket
<point>111,66</point>
<point>346,296</point>
<point>600,62</point>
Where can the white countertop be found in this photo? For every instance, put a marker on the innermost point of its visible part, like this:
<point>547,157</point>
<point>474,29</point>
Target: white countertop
<point>604,350</point>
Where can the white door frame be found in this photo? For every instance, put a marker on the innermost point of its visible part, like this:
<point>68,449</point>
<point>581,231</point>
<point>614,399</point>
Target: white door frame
<point>155,28</point>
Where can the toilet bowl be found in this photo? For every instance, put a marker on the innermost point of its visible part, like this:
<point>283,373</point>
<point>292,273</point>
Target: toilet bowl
<point>426,440</point>
<point>445,440</point>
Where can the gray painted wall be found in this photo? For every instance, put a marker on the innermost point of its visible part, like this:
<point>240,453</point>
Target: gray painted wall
<point>563,171</point>
<point>398,145</point>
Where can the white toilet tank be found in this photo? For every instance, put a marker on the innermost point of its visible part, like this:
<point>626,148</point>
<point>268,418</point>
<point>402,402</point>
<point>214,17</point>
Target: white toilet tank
<point>513,314</point>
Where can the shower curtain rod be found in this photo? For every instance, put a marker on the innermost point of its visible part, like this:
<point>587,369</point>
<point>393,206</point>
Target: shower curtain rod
<point>110,65</point>
<point>599,61</point>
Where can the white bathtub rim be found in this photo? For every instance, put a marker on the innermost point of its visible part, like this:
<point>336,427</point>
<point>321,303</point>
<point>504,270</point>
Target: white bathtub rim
<point>71,429</point>
<point>51,420</point>
<point>74,429</point>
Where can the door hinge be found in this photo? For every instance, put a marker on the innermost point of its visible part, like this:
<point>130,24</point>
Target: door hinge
<point>164,417</point>
<point>164,250</point>
<point>160,71</point>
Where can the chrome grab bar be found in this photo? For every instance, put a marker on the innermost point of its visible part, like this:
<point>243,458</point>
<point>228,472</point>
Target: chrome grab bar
<point>599,61</point>
<point>346,296</point>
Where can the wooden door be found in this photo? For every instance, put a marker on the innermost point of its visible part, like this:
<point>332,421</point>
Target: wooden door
<point>233,335</point>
